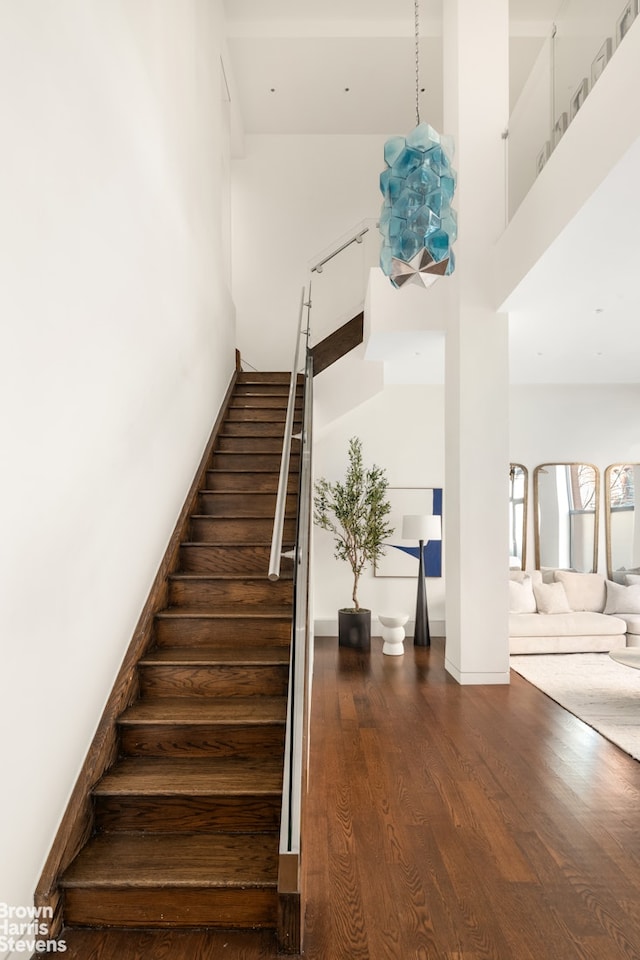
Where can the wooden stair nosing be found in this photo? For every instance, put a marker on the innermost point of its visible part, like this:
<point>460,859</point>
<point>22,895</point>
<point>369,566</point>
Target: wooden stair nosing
<point>205,711</point>
<point>216,654</point>
<point>177,860</point>
<point>230,612</point>
<point>201,777</point>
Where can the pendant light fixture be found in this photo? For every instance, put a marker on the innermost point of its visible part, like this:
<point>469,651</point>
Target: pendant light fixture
<point>417,223</point>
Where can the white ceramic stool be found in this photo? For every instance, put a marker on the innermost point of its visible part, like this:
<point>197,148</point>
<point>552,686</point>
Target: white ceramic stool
<point>393,633</point>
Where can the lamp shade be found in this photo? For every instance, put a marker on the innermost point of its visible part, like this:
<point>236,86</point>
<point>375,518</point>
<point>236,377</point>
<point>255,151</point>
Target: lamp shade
<point>422,526</point>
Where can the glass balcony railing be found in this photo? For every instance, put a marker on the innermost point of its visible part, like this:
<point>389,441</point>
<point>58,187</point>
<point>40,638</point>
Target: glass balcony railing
<point>584,37</point>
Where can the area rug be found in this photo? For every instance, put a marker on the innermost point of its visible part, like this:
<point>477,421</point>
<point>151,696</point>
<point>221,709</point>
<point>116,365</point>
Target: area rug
<point>592,686</point>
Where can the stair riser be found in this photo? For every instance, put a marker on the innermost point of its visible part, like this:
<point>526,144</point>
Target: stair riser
<point>243,504</point>
<point>235,481</point>
<point>207,593</point>
<point>170,907</point>
<point>249,813</point>
<point>256,400</point>
<point>272,445</point>
<point>273,415</point>
<point>209,558</point>
<point>254,461</point>
<point>201,740</point>
<point>171,680</point>
<point>239,428</point>
<point>222,531</point>
<point>265,377</point>
<point>187,631</point>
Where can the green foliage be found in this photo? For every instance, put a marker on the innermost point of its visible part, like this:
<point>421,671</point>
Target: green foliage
<point>355,512</point>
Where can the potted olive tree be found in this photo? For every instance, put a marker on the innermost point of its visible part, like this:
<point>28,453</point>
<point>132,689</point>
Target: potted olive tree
<point>355,512</point>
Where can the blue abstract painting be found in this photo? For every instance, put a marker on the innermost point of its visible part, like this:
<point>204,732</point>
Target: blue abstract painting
<point>401,557</point>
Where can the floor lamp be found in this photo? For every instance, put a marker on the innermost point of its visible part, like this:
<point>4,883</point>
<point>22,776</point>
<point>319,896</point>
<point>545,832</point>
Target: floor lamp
<point>421,527</point>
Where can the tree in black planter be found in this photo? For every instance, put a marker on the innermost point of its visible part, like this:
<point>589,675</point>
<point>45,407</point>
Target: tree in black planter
<point>355,512</point>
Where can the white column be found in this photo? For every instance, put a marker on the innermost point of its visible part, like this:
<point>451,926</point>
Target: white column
<point>476,104</point>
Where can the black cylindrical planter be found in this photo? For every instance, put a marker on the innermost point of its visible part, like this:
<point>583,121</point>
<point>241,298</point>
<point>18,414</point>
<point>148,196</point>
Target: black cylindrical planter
<point>354,629</point>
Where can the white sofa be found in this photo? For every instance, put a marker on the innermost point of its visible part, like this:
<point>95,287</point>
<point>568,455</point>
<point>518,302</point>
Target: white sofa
<point>561,611</point>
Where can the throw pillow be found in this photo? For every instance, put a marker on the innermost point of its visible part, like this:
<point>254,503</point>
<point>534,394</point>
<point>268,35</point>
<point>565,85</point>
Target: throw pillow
<point>585,591</point>
<point>622,599</point>
<point>631,578</point>
<point>521,598</point>
<point>551,598</point>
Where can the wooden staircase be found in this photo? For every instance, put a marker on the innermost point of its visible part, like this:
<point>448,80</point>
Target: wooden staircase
<point>186,821</point>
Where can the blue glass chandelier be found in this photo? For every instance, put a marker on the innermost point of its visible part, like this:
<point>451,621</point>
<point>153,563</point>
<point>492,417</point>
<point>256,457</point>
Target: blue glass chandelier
<point>417,222</point>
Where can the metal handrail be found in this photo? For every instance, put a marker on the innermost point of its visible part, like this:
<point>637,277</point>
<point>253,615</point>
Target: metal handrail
<point>357,238</point>
<point>275,556</point>
<point>290,871</point>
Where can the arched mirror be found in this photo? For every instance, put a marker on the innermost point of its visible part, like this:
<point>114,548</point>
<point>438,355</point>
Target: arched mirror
<point>518,497</point>
<point>566,497</point>
<point>623,534</point>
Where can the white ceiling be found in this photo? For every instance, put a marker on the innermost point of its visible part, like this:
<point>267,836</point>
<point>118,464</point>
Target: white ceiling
<point>571,320</point>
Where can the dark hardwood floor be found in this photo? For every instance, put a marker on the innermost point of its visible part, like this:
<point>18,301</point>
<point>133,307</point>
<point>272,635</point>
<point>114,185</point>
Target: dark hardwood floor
<point>445,823</point>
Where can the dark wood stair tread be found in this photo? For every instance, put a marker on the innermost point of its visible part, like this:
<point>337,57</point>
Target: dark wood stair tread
<point>176,711</point>
<point>232,575</point>
<point>198,777</point>
<point>176,860</point>
<point>240,610</point>
<point>205,654</point>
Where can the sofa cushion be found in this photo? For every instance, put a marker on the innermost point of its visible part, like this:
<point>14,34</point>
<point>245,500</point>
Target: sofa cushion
<point>621,598</point>
<point>551,598</point>
<point>585,591</point>
<point>632,621</point>
<point>582,623</point>
<point>521,598</point>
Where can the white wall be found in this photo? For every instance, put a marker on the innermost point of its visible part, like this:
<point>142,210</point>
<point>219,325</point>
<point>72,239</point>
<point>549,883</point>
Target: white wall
<point>402,430</point>
<point>116,349</point>
<point>293,198</point>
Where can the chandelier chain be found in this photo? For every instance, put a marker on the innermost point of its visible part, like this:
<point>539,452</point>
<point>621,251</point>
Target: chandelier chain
<point>416,17</point>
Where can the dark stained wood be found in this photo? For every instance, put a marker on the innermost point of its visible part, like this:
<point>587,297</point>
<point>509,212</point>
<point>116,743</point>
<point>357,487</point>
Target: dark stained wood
<point>208,671</point>
<point>243,503</point>
<point>182,826</point>
<point>206,590</point>
<point>445,822</point>
<point>230,558</point>
<point>237,529</point>
<point>259,445</point>
<point>337,344</point>
<point>76,824</point>
<point>232,626</point>
<point>256,462</point>
<point>237,480</point>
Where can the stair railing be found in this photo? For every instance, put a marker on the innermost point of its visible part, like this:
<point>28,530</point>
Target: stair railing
<point>356,238</point>
<point>290,872</point>
<point>281,498</point>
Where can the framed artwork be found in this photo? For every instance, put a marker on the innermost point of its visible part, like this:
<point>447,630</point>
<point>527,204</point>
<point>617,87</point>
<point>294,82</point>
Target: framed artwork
<point>400,558</point>
<point>560,128</point>
<point>579,97</point>
<point>542,157</point>
<point>626,18</point>
<point>601,59</point>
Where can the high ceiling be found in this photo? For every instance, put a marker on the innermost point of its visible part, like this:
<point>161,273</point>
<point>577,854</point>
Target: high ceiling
<point>569,324</point>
